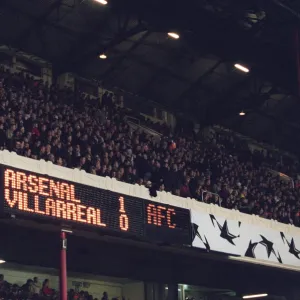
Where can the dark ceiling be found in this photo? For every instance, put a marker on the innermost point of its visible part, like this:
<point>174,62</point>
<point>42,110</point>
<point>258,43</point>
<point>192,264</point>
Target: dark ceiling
<point>193,75</point>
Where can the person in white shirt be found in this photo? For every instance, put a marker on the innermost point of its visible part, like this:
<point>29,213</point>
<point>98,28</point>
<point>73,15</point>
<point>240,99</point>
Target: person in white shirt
<point>36,286</point>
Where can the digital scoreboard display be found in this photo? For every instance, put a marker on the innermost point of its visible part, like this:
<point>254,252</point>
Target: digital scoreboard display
<point>35,195</point>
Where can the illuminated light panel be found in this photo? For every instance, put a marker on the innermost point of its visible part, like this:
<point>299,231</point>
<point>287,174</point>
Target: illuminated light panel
<point>2,261</point>
<point>67,230</point>
<point>255,296</point>
<point>173,35</point>
<point>103,56</point>
<point>103,2</point>
<point>242,113</point>
<point>241,68</point>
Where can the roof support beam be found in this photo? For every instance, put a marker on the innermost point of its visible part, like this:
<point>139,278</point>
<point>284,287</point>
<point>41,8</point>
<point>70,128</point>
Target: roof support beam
<point>160,47</point>
<point>21,38</point>
<point>166,71</point>
<point>195,85</point>
<point>15,9</point>
<point>177,55</point>
<point>212,114</point>
<point>287,8</point>
<point>32,18</point>
<point>85,39</point>
<point>139,60</point>
<point>87,58</point>
<point>122,26</point>
<point>118,62</point>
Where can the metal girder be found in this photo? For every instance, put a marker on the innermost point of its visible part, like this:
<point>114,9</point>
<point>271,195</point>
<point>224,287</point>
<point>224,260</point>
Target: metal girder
<point>160,70</point>
<point>218,105</point>
<point>139,60</point>
<point>15,9</point>
<point>164,70</point>
<point>123,26</point>
<point>87,58</point>
<point>37,22</point>
<point>118,62</point>
<point>76,4</point>
<point>287,8</point>
<point>67,59</point>
<point>195,85</point>
<point>160,47</point>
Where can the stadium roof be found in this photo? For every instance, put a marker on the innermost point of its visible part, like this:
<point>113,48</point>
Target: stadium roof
<point>194,74</point>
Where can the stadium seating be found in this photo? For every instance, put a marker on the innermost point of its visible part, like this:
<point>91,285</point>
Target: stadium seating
<point>33,289</point>
<point>43,122</point>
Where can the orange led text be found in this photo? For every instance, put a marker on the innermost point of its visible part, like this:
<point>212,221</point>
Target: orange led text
<point>123,219</point>
<point>39,195</point>
<point>160,215</point>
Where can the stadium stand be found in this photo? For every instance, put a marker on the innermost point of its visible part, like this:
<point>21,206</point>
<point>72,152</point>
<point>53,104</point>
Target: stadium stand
<point>33,289</point>
<point>44,122</point>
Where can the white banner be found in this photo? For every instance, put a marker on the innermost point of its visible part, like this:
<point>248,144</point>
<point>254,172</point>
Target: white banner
<point>215,233</point>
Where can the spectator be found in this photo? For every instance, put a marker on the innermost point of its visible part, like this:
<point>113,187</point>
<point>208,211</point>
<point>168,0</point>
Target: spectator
<point>105,296</point>
<point>3,283</point>
<point>28,288</point>
<point>36,285</point>
<point>46,290</point>
<point>42,122</point>
<point>27,291</point>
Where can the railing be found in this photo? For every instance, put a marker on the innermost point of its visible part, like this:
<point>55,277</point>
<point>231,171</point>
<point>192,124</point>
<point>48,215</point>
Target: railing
<point>135,124</point>
<point>133,120</point>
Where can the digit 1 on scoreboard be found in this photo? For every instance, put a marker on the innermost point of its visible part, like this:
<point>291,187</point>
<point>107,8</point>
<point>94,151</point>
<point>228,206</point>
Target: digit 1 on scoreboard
<point>123,219</point>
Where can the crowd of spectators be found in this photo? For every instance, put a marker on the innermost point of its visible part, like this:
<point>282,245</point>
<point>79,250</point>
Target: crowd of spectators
<point>33,289</point>
<point>44,122</point>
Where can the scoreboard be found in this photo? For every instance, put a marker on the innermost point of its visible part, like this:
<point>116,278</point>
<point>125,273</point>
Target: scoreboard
<point>31,195</point>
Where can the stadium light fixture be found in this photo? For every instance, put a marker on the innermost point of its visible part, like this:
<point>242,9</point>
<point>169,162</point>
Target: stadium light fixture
<point>103,2</point>
<point>102,56</point>
<point>242,113</point>
<point>66,230</point>
<point>2,261</point>
<point>174,35</point>
<point>241,68</point>
<point>255,296</point>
